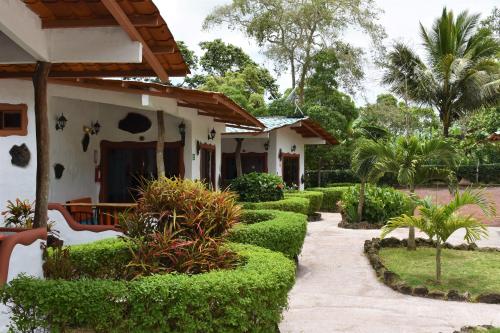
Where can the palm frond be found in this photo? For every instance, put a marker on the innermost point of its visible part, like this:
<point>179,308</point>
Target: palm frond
<point>474,229</point>
<point>471,197</point>
<point>406,221</point>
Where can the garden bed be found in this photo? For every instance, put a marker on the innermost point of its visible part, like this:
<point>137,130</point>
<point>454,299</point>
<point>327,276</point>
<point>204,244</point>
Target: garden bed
<point>469,273</point>
<point>249,298</point>
<point>359,225</point>
<point>479,329</point>
<point>275,230</point>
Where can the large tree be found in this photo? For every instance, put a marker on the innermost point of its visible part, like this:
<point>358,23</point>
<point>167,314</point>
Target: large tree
<point>461,71</point>
<point>292,32</point>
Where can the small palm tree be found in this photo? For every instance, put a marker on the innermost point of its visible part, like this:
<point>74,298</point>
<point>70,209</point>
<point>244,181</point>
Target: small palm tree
<point>409,158</point>
<point>439,222</point>
<point>363,165</point>
<point>461,72</point>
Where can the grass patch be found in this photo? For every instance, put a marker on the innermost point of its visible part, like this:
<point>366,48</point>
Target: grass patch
<point>475,272</point>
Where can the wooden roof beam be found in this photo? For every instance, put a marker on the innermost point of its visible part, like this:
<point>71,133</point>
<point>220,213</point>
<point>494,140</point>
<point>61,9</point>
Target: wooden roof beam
<point>121,17</point>
<point>137,20</point>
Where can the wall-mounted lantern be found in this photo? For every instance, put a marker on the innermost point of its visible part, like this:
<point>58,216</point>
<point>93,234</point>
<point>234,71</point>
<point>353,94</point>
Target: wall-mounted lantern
<point>61,122</point>
<point>266,145</point>
<point>211,134</point>
<point>280,154</point>
<point>182,132</point>
<point>94,128</point>
<point>294,148</point>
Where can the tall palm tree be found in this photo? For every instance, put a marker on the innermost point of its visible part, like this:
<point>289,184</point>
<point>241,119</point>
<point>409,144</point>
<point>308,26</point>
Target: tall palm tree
<point>461,72</point>
<point>439,222</point>
<point>409,158</point>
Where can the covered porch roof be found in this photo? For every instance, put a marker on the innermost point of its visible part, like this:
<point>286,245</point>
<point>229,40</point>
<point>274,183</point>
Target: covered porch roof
<point>304,126</point>
<point>211,104</point>
<point>141,21</point>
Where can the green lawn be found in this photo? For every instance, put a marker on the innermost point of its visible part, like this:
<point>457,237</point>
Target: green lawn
<point>493,330</point>
<point>476,272</point>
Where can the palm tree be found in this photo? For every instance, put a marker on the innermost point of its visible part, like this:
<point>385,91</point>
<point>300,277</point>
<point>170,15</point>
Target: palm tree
<point>439,222</point>
<point>462,72</point>
<point>409,158</point>
<point>363,165</point>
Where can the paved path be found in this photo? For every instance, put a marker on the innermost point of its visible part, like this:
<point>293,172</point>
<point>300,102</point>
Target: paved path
<point>337,291</point>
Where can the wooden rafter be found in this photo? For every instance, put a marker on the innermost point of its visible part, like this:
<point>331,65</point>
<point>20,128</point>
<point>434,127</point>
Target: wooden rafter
<point>137,20</point>
<point>121,17</point>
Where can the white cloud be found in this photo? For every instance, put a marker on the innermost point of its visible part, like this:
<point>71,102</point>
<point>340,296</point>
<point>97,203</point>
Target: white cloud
<point>401,20</point>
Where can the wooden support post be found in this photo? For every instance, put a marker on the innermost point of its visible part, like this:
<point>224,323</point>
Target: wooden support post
<point>237,156</point>
<point>160,145</point>
<point>42,143</point>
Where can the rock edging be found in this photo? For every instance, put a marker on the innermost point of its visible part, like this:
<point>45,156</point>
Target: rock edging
<point>393,280</point>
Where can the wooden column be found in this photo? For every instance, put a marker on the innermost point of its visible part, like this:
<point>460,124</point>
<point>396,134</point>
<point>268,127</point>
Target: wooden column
<point>160,145</point>
<point>42,143</point>
<point>237,157</point>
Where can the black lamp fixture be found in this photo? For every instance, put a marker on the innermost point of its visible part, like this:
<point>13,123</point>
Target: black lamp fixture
<point>294,148</point>
<point>182,132</point>
<point>266,145</point>
<point>94,128</point>
<point>280,154</point>
<point>211,134</point>
<point>61,122</point>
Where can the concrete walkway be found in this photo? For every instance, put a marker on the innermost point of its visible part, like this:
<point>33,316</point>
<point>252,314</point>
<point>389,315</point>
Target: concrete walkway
<point>337,291</point>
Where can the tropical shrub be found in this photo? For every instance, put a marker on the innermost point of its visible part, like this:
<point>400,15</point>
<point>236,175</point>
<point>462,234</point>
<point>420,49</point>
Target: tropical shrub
<point>291,204</point>
<point>257,187</point>
<point>331,196</point>
<point>341,184</point>
<point>439,222</point>
<point>249,298</point>
<point>19,214</point>
<point>274,230</point>
<point>179,226</point>
<point>315,199</point>
<point>381,204</point>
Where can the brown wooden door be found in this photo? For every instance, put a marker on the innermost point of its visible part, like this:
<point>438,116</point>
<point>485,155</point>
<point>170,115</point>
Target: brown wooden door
<point>291,170</point>
<point>207,166</point>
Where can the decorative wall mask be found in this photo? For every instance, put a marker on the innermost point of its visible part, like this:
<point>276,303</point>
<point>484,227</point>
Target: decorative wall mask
<point>85,141</point>
<point>58,170</point>
<point>20,155</point>
<point>135,123</point>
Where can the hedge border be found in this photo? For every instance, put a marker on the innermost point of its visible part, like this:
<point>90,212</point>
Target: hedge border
<point>250,298</point>
<point>315,199</point>
<point>283,232</point>
<point>296,205</point>
<point>331,196</point>
<point>394,281</point>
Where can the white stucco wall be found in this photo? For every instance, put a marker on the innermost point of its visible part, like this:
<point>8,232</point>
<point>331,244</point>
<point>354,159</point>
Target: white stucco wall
<point>17,182</point>
<point>81,106</point>
<point>72,237</point>
<point>26,259</point>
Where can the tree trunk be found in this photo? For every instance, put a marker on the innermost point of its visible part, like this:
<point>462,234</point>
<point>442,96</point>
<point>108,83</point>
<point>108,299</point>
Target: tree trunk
<point>42,144</point>
<point>438,262</point>
<point>412,246</point>
<point>361,200</point>
<point>160,145</point>
<point>320,165</point>
<point>237,157</point>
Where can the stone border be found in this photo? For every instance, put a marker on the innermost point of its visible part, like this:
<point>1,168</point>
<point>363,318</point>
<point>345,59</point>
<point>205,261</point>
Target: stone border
<point>393,280</point>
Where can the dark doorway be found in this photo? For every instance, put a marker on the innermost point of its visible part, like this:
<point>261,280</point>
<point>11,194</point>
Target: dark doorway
<point>291,170</point>
<point>250,162</point>
<point>124,165</point>
<point>207,165</point>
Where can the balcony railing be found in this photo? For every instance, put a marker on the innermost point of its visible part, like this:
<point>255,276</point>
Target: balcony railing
<point>97,213</point>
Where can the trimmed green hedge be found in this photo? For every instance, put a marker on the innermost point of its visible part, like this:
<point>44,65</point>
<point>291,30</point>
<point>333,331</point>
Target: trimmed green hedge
<point>275,230</point>
<point>291,204</point>
<point>250,298</point>
<point>315,199</point>
<point>332,195</point>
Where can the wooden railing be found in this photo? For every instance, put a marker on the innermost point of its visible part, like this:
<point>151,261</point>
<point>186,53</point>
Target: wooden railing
<point>97,213</point>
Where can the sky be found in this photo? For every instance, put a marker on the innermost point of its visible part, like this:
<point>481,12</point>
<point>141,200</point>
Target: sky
<point>400,18</point>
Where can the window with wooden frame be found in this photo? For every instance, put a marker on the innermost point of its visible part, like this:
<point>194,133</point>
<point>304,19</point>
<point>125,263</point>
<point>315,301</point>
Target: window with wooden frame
<point>13,119</point>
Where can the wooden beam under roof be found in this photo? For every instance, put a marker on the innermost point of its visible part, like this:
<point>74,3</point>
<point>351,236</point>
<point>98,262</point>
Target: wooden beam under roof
<point>121,17</point>
<point>137,20</point>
